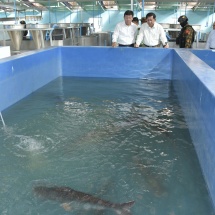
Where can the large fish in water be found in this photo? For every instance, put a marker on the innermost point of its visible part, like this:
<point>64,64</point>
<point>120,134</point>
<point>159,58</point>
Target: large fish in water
<point>67,195</point>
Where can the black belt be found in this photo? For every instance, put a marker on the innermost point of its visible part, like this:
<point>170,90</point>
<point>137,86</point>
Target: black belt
<point>131,45</point>
<point>151,46</point>
<point>212,48</point>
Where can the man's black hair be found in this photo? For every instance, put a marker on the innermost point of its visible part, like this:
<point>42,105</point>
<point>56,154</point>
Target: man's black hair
<point>143,19</point>
<point>22,22</point>
<point>129,12</point>
<point>135,19</point>
<point>151,14</point>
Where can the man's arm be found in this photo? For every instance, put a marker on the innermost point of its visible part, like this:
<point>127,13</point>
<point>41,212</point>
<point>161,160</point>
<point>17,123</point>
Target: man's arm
<point>139,37</point>
<point>163,38</point>
<point>189,37</point>
<point>207,46</point>
<point>115,36</point>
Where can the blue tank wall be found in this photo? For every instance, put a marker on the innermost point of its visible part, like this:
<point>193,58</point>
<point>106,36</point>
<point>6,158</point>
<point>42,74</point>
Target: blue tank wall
<point>21,75</point>
<point>193,79</point>
<point>208,56</point>
<point>194,82</point>
<point>117,62</point>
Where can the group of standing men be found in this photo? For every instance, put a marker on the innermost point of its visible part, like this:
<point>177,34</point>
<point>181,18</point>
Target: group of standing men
<point>150,34</point>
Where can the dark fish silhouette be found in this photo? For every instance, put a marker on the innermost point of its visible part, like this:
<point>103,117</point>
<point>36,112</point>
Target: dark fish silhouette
<point>68,195</point>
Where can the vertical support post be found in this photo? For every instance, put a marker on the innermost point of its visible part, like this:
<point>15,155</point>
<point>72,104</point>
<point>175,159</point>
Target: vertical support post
<point>70,17</point>
<point>93,14</point>
<point>213,13</point>
<point>143,2</point>
<point>81,15</point>
<point>15,11</point>
<point>49,13</point>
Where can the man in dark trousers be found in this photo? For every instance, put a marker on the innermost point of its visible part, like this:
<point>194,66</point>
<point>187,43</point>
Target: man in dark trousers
<point>186,36</point>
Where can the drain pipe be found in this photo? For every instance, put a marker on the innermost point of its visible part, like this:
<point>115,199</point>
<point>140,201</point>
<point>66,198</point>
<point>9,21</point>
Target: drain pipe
<point>2,119</point>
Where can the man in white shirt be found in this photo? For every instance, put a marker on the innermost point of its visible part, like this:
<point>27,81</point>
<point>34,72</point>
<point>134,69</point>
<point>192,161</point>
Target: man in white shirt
<point>151,33</point>
<point>125,32</point>
<point>211,39</point>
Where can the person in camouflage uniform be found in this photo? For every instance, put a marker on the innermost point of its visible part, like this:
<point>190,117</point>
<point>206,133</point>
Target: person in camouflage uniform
<point>186,36</point>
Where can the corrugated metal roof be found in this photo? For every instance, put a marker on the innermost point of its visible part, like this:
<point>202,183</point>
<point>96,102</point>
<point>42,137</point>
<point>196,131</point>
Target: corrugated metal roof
<point>89,5</point>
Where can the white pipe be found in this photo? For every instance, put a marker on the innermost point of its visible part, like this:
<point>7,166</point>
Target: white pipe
<point>2,119</point>
<point>132,5</point>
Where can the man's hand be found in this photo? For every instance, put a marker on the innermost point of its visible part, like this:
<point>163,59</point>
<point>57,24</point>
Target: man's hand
<point>166,46</point>
<point>114,44</point>
<point>136,46</point>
